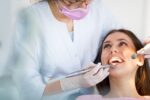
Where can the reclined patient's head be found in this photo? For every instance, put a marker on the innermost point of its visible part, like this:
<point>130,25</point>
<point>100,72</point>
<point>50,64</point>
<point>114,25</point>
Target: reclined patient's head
<point>116,49</point>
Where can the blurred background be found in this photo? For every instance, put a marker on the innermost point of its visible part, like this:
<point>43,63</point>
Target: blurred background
<point>133,14</point>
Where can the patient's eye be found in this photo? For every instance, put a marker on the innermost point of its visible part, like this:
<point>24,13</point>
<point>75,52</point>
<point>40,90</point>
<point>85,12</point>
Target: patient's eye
<point>122,43</point>
<point>106,46</point>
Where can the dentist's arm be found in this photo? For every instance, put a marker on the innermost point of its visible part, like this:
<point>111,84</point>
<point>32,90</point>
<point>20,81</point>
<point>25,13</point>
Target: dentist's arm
<point>89,79</point>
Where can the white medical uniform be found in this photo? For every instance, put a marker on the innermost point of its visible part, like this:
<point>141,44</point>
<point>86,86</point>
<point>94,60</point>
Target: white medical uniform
<point>45,50</point>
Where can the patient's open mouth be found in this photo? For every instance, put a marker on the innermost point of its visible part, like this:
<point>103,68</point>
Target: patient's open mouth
<point>115,60</point>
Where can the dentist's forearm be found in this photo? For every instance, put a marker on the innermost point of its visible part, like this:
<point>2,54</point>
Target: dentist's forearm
<point>52,88</point>
<point>62,85</point>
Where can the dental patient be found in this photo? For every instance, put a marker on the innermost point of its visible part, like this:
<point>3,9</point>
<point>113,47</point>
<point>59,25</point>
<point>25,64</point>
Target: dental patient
<point>129,77</point>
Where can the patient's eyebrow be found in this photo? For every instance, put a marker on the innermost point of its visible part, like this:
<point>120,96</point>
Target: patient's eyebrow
<point>121,39</point>
<point>107,41</point>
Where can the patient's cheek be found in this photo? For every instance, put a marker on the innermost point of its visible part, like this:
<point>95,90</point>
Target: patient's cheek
<point>103,60</point>
<point>128,53</point>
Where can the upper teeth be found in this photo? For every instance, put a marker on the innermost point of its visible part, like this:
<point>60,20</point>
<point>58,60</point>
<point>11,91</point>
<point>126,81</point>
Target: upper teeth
<point>114,59</point>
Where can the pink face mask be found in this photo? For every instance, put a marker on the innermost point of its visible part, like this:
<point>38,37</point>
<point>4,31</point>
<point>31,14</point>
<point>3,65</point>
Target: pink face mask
<point>74,14</point>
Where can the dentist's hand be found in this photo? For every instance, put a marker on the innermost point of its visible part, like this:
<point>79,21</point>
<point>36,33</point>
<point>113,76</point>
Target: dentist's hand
<point>147,40</point>
<point>146,50</point>
<point>96,75</point>
<point>89,79</point>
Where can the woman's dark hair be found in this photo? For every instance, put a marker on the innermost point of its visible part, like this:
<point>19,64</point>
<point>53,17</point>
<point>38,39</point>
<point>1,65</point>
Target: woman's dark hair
<point>142,78</point>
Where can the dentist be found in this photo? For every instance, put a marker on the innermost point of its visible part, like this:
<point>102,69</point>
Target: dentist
<point>55,38</point>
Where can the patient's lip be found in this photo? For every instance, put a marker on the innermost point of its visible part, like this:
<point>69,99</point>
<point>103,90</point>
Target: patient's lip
<point>115,60</point>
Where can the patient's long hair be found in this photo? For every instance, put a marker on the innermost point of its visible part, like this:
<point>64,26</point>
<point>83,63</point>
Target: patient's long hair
<point>142,78</point>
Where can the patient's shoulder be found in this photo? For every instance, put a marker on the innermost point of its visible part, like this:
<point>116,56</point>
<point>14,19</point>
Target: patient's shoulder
<point>99,97</point>
<point>147,97</point>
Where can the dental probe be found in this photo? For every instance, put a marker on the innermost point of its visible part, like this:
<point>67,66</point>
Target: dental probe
<point>82,71</point>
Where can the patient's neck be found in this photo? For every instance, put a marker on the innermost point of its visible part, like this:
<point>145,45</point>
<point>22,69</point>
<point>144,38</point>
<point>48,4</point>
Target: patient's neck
<point>122,87</point>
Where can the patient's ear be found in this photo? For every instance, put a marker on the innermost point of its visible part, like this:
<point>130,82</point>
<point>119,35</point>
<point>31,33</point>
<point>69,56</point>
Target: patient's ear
<point>140,60</point>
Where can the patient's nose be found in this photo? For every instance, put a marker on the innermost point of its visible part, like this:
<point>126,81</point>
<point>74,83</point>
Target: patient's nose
<point>114,50</point>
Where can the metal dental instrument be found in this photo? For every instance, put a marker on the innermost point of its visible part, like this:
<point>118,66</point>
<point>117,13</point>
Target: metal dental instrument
<point>82,71</point>
<point>134,56</point>
<point>141,51</point>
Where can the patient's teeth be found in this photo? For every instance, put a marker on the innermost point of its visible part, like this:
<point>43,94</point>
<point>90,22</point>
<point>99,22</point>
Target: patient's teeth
<point>114,64</point>
<point>115,60</point>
